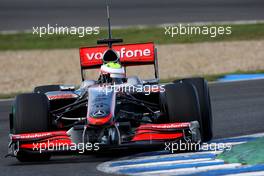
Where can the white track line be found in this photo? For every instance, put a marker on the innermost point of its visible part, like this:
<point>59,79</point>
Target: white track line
<point>167,163</point>
<point>186,171</point>
<point>140,158</point>
<point>105,167</point>
<point>226,82</point>
<point>8,99</point>
<point>146,165</point>
<point>215,23</point>
<point>258,173</point>
<point>200,23</point>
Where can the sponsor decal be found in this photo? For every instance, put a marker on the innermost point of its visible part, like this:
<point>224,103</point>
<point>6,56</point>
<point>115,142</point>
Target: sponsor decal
<point>156,136</point>
<point>129,53</point>
<point>167,126</point>
<point>37,135</point>
<point>99,113</point>
<point>61,96</point>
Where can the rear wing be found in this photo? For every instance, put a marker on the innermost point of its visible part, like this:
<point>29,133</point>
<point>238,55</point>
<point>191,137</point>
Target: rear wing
<point>130,55</point>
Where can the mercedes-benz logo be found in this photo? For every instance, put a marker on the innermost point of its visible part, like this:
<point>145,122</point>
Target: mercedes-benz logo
<point>99,113</point>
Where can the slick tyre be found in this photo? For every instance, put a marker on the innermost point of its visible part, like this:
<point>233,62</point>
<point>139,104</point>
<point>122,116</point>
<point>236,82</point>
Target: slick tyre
<point>202,90</point>
<point>30,114</point>
<point>180,103</point>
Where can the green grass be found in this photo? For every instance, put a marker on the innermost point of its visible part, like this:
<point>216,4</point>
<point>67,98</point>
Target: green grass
<point>249,153</point>
<point>9,95</point>
<point>130,35</point>
<point>209,78</point>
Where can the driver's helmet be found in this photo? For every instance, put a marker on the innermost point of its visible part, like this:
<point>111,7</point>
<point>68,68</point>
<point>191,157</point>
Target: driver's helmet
<point>115,70</point>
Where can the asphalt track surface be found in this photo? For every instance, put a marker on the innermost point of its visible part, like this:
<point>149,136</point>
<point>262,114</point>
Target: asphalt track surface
<point>238,109</point>
<point>21,15</point>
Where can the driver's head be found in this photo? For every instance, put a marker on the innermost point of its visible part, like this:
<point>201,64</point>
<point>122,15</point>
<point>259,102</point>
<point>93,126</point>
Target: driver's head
<point>114,70</point>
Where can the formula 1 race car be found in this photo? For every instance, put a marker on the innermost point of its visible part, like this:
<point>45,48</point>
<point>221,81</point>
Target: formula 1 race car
<point>114,111</point>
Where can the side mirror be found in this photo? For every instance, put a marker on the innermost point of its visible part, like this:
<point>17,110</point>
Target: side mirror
<point>151,81</point>
<point>67,87</point>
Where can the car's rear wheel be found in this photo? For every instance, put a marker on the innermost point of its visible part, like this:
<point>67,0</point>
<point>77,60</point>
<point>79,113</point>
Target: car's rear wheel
<point>46,88</point>
<point>30,114</point>
<point>202,90</point>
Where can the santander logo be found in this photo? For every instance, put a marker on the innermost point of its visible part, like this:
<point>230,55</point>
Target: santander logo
<point>142,52</point>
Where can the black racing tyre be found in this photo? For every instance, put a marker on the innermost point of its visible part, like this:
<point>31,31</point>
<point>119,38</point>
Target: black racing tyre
<point>46,88</point>
<point>180,103</point>
<point>30,113</point>
<point>205,105</point>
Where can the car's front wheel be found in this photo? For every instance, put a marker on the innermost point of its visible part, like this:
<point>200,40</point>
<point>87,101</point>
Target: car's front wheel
<point>180,103</point>
<point>202,90</point>
<point>30,114</point>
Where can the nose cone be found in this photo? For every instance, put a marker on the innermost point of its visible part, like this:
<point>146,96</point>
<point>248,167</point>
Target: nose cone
<point>101,106</point>
<point>99,120</point>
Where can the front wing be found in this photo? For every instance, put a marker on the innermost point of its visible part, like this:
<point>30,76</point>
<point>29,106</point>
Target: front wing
<point>69,141</point>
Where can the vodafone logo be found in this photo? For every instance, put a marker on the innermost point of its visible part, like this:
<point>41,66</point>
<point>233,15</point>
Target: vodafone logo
<point>123,52</point>
<point>143,52</point>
